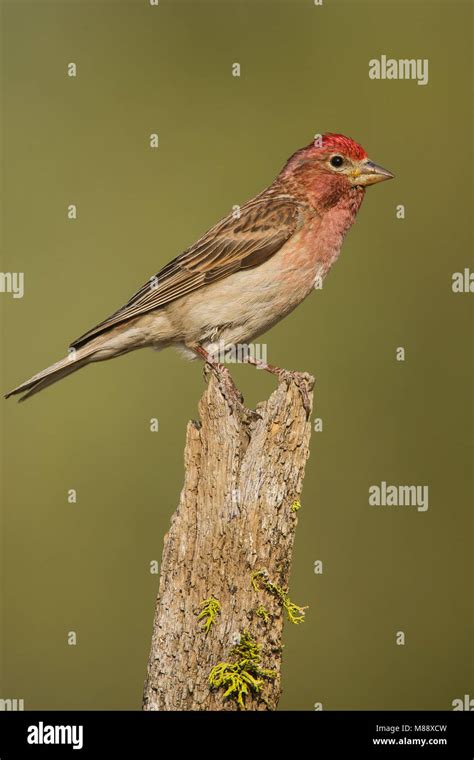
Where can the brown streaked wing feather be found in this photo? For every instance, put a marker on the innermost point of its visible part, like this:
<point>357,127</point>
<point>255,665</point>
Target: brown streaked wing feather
<point>265,224</point>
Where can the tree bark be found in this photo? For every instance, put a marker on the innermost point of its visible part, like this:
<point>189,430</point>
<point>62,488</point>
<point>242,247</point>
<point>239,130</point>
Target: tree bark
<point>230,545</point>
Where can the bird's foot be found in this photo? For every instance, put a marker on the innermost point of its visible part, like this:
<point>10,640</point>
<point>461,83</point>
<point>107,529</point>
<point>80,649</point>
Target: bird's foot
<point>231,393</point>
<point>302,380</point>
<point>227,386</point>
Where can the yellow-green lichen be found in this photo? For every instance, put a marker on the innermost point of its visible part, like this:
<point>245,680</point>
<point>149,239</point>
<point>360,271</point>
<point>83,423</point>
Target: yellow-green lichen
<point>210,609</point>
<point>295,506</point>
<point>294,612</point>
<point>243,676</point>
<point>262,612</point>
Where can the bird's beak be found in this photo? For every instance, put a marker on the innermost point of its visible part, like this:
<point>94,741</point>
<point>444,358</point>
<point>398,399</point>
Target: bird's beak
<point>369,173</point>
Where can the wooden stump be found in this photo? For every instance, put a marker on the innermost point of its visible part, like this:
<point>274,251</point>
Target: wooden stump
<point>227,555</point>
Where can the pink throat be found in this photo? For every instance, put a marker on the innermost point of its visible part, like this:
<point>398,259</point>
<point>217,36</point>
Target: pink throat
<point>335,222</point>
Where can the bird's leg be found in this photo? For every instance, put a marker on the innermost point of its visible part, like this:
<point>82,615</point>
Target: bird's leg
<point>299,378</point>
<point>227,385</point>
<point>217,367</point>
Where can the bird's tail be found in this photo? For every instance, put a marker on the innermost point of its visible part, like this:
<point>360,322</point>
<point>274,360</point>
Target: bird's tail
<point>106,346</point>
<point>51,375</point>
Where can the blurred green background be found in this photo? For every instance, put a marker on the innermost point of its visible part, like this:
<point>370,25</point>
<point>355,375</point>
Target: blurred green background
<point>84,567</point>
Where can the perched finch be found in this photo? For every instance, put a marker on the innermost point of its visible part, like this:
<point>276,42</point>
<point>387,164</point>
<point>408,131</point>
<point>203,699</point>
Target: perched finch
<point>245,273</point>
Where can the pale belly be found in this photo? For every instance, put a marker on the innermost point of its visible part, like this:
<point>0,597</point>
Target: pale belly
<point>241,307</point>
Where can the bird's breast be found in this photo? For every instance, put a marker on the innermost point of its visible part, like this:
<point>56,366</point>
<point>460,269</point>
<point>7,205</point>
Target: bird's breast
<point>315,248</point>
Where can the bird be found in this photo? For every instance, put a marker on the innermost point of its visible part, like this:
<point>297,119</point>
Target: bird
<point>245,274</point>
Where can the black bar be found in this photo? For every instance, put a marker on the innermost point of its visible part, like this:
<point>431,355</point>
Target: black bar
<point>367,734</point>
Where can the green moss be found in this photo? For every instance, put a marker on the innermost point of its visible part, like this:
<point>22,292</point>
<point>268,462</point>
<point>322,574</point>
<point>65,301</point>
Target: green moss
<point>294,612</point>
<point>262,612</point>
<point>295,506</point>
<point>243,676</point>
<point>210,609</point>
<point>257,577</point>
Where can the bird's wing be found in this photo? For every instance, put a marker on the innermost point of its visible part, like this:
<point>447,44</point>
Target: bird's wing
<point>264,225</point>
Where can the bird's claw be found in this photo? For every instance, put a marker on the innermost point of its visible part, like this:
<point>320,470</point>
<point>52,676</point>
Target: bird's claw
<point>230,391</point>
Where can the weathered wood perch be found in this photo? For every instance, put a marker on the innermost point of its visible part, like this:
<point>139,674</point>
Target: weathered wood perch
<point>231,540</point>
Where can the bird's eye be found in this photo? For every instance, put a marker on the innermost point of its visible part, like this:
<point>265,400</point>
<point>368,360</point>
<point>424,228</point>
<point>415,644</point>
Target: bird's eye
<point>336,161</point>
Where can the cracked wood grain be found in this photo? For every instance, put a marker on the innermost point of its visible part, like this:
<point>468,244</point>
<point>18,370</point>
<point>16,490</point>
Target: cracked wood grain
<point>242,475</point>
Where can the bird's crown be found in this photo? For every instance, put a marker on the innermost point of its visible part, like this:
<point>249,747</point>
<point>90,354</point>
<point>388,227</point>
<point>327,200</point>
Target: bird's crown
<point>334,141</point>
